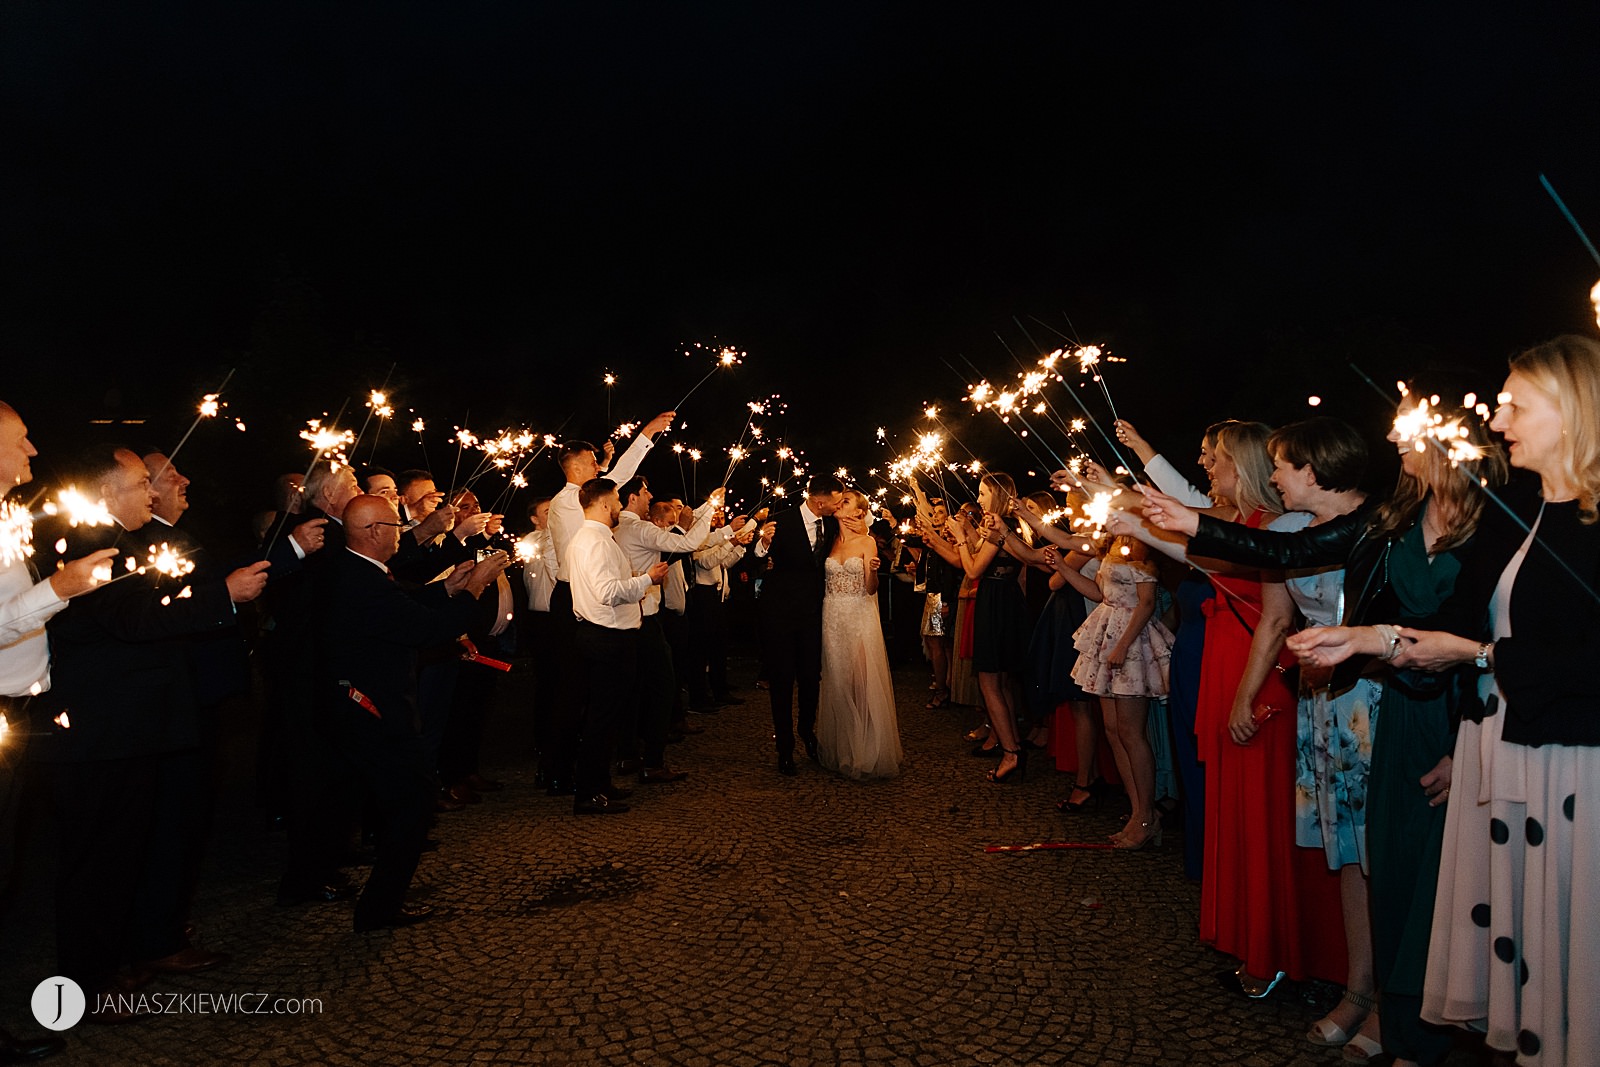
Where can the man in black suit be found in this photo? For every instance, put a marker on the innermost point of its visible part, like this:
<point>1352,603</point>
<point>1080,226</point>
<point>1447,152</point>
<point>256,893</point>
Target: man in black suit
<point>796,542</point>
<point>122,700</point>
<point>369,627</point>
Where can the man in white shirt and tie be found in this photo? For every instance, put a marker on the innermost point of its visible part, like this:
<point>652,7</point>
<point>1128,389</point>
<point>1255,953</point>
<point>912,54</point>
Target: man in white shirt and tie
<point>605,598</point>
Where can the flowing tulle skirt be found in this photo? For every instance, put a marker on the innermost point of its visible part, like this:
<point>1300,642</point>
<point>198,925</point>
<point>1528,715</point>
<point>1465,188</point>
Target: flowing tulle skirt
<point>858,733</point>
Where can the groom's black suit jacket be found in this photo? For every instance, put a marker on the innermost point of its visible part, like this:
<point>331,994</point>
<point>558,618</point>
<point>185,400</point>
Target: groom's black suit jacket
<point>794,579</point>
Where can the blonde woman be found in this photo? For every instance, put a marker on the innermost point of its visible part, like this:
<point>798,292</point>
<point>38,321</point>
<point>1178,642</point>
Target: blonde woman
<point>858,734</point>
<point>1512,953</point>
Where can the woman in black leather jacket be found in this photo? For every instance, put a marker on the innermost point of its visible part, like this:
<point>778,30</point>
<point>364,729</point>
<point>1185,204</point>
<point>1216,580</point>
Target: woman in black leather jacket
<point>1401,558</point>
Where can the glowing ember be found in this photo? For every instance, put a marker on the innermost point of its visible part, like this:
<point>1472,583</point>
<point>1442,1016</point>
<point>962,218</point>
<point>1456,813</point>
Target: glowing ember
<point>611,379</point>
<point>209,406</point>
<point>625,430</point>
<point>418,426</point>
<point>379,403</point>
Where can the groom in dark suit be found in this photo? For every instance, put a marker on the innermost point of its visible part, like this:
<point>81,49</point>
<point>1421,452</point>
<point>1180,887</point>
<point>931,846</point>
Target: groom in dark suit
<point>796,542</point>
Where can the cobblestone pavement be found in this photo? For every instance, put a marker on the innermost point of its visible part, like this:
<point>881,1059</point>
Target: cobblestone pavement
<point>735,918</point>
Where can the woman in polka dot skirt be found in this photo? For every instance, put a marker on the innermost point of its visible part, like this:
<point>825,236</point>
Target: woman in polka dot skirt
<point>1513,953</point>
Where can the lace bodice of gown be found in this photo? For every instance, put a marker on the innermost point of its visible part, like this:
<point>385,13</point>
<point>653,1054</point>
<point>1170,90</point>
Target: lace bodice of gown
<point>848,578</point>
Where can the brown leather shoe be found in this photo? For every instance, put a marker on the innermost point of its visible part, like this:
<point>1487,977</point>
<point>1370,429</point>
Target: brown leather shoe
<point>464,793</point>
<point>660,775</point>
<point>443,801</point>
<point>187,960</point>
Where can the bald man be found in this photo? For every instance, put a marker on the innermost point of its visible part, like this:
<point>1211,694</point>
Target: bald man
<point>369,627</point>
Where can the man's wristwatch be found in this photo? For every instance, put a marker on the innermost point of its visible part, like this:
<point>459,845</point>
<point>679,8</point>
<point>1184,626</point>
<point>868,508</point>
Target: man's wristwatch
<point>1481,660</point>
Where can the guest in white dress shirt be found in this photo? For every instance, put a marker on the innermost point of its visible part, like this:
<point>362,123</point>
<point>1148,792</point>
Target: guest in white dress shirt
<point>25,604</point>
<point>605,598</point>
<point>564,690</point>
<point>708,641</point>
<point>644,544</point>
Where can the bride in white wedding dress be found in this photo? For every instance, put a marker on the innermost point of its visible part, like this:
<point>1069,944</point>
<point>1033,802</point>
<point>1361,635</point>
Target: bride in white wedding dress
<point>858,734</point>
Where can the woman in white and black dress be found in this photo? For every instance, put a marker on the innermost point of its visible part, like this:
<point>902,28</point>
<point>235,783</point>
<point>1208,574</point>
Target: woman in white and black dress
<point>858,734</point>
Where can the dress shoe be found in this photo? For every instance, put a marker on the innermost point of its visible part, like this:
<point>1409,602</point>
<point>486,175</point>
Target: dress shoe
<point>628,766</point>
<point>14,1049</point>
<point>660,775</point>
<point>811,747</point>
<point>482,784</point>
<point>443,802</point>
<point>406,915</point>
<point>730,701</point>
<point>687,727</point>
<point>187,960</point>
<point>599,804</point>
<point>464,793</point>
<point>322,894</point>
<point>786,764</point>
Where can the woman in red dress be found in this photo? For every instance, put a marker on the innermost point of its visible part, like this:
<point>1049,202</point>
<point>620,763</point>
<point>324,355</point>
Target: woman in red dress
<point>1262,899</point>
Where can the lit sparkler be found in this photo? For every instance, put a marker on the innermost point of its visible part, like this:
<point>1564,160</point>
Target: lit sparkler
<point>727,356</point>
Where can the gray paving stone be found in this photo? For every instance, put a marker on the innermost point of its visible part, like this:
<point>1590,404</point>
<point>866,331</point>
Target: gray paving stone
<point>737,917</point>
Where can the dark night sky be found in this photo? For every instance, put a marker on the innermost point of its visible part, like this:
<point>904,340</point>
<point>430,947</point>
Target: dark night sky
<point>503,199</point>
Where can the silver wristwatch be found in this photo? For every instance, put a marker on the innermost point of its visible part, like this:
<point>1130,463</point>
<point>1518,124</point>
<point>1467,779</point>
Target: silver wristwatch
<point>1481,660</point>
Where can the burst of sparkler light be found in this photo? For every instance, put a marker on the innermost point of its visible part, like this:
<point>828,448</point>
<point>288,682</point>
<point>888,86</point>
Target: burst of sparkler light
<point>16,533</point>
<point>326,441</point>
<point>625,430</point>
<point>378,401</point>
<point>166,560</point>
<point>78,509</point>
<point>209,406</point>
<point>611,379</point>
<point>417,426</point>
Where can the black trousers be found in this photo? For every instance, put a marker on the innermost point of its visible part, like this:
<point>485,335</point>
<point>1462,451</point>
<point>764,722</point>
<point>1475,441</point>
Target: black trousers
<point>791,638</point>
<point>319,805</point>
<point>655,686</point>
<point>708,646</point>
<point>564,689</point>
<point>389,761</point>
<point>676,630</point>
<point>180,824</point>
<point>608,659</point>
<point>103,814</point>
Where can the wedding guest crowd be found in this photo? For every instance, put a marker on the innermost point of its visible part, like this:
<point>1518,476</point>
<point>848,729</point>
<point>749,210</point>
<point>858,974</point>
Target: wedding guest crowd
<point>1290,668</point>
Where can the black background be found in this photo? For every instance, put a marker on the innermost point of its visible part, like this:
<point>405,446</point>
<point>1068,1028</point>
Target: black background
<point>502,201</point>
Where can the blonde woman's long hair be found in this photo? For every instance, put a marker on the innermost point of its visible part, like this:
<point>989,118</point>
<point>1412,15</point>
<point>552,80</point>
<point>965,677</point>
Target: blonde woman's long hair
<point>1245,443</point>
<point>1568,370</point>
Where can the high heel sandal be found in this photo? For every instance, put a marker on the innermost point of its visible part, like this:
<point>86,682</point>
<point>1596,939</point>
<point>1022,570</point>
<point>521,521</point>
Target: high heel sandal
<point>992,752</point>
<point>1328,1034</point>
<point>1095,791</point>
<point>1125,843</point>
<point>1018,771</point>
<point>940,698</point>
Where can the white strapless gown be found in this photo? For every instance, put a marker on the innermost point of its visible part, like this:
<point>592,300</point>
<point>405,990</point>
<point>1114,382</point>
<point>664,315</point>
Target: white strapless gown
<point>858,734</point>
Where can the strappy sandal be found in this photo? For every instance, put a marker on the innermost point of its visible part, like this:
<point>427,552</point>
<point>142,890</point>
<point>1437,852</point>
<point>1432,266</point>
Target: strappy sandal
<point>940,698</point>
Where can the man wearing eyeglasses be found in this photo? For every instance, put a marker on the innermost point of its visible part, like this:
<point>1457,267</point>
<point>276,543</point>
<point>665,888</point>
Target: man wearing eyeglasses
<point>369,627</point>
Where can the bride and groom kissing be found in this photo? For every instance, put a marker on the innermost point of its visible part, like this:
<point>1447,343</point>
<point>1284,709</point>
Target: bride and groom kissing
<point>821,635</point>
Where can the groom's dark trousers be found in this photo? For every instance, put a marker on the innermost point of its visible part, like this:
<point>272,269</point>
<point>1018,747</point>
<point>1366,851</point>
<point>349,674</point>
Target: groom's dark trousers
<point>791,624</point>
